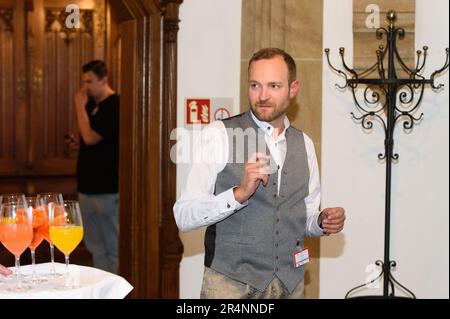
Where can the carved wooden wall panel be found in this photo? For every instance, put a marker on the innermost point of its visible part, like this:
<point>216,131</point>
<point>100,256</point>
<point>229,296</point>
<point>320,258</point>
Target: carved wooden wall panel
<point>57,52</point>
<point>6,84</point>
<point>12,87</point>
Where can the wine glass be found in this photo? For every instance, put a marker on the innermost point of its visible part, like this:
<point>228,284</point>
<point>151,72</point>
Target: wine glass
<point>17,230</point>
<point>66,231</point>
<point>42,201</point>
<point>40,225</point>
<point>13,198</point>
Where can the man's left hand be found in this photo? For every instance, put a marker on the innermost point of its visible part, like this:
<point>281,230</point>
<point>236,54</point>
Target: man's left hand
<point>333,219</point>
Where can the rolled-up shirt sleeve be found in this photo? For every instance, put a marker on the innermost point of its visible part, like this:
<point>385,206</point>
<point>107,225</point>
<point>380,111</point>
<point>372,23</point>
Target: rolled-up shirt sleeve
<point>198,206</point>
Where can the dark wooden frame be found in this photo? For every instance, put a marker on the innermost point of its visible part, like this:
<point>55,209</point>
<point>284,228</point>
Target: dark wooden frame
<point>150,248</point>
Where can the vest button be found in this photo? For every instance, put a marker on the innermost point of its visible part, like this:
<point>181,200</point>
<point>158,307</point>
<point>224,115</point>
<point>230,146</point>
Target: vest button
<point>276,269</point>
<point>276,257</point>
<point>276,245</point>
<point>277,232</point>
<point>278,220</point>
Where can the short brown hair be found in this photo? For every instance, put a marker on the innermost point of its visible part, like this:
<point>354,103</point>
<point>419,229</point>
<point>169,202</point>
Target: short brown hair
<point>98,67</point>
<point>269,53</point>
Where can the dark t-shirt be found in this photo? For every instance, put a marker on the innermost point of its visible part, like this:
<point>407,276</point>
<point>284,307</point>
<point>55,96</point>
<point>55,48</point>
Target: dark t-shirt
<point>98,165</point>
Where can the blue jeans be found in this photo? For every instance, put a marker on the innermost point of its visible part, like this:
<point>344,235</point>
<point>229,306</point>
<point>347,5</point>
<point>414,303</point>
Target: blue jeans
<point>100,213</point>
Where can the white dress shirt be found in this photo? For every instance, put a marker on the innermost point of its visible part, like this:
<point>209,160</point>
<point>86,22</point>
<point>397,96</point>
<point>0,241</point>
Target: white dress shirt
<point>198,206</point>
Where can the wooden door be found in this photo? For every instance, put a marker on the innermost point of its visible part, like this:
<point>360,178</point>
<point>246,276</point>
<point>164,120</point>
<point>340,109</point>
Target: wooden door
<point>13,108</point>
<point>57,50</point>
<point>41,56</point>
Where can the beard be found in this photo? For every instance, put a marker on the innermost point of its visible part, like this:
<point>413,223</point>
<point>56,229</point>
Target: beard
<point>269,114</point>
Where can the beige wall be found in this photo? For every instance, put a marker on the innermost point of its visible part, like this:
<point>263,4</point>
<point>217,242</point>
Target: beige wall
<point>295,26</point>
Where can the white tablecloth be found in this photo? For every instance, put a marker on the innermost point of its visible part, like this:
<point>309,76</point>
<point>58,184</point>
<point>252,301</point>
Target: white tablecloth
<point>92,283</point>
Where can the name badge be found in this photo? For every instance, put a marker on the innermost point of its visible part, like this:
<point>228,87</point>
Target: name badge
<point>301,257</point>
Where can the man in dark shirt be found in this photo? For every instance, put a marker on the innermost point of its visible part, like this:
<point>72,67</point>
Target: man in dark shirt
<point>97,109</point>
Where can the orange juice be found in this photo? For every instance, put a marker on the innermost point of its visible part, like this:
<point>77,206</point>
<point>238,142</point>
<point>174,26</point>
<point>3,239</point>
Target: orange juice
<point>66,238</point>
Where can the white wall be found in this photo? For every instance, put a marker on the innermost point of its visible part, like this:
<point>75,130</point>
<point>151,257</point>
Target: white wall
<point>209,49</point>
<point>353,177</point>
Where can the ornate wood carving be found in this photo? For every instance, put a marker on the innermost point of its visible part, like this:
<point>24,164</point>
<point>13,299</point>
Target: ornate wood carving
<point>60,16</point>
<point>6,85</point>
<point>6,15</point>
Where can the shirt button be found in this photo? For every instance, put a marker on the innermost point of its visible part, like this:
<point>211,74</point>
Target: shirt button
<point>274,184</point>
<point>228,205</point>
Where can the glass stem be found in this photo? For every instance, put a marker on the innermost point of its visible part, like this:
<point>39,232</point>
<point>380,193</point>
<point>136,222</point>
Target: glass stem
<point>33,264</point>
<point>67,271</point>
<point>19,275</point>
<point>52,258</point>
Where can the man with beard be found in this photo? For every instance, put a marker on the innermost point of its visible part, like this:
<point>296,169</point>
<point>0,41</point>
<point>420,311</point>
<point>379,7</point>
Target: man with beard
<point>97,110</point>
<point>259,210</point>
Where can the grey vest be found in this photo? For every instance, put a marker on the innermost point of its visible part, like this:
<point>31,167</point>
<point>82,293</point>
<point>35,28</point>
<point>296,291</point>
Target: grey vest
<point>257,242</point>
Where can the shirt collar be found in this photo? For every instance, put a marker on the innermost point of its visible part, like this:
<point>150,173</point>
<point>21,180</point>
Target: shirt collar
<point>267,128</point>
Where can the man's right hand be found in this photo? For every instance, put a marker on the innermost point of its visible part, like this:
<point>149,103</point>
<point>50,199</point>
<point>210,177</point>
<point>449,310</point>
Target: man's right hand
<point>80,99</point>
<point>255,171</point>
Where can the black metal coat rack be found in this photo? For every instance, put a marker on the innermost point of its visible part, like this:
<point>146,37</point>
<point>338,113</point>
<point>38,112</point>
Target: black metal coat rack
<point>389,100</point>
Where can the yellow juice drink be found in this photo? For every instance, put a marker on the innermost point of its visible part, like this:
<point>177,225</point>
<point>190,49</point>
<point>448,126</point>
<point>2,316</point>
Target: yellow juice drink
<point>66,238</point>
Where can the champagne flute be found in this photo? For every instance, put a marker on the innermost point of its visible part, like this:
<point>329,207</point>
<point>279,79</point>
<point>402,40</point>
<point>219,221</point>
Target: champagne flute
<point>17,230</point>
<point>66,231</point>
<point>39,222</point>
<point>42,201</point>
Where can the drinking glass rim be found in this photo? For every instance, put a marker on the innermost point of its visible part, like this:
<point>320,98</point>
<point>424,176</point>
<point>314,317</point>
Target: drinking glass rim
<point>71,201</point>
<point>48,193</point>
<point>14,204</point>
